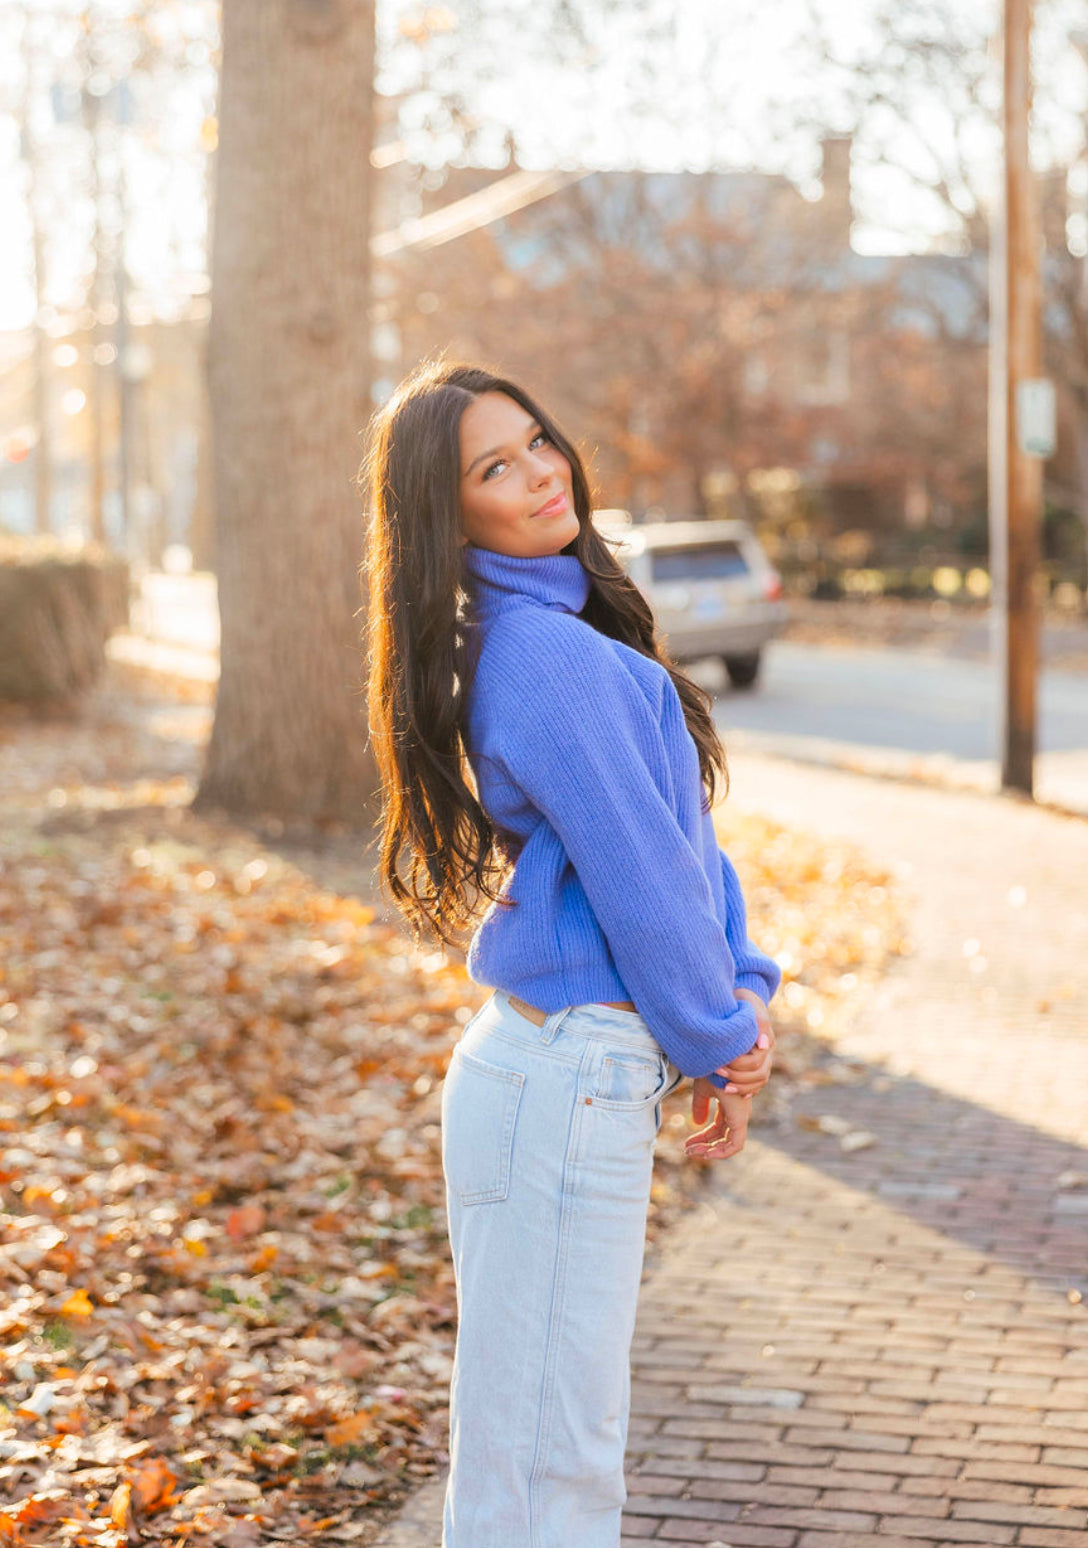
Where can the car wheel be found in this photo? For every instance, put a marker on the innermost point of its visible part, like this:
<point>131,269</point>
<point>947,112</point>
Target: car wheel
<point>743,670</point>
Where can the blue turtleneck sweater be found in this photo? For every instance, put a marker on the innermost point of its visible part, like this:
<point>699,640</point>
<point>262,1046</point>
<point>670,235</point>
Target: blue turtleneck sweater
<point>584,763</point>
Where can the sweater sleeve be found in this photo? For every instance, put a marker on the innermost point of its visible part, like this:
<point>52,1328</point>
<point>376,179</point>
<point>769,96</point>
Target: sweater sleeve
<point>753,968</point>
<point>579,738</point>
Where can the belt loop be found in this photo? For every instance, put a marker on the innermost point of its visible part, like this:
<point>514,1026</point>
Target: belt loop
<point>551,1024</point>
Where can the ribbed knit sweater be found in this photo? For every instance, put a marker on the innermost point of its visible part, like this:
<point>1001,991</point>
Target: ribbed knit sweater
<point>584,763</point>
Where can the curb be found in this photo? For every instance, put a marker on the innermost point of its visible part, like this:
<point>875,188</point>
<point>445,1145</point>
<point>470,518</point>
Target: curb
<point>942,771</point>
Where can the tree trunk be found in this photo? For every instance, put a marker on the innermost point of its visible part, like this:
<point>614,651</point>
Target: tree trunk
<point>288,378</point>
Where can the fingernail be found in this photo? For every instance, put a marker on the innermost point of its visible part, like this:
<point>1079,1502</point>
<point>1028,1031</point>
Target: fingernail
<point>730,1088</point>
<point>763,1041</point>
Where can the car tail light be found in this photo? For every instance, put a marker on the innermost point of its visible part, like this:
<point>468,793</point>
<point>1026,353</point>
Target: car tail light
<point>772,586</point>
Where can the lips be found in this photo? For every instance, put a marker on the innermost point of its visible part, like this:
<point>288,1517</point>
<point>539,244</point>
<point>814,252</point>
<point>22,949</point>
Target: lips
<point>553,506</point>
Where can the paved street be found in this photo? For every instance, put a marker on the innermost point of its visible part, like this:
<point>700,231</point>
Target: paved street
<point>894,710</point>
<point>927,711</point>
<point>908,699</point>
<point>888,1347</point>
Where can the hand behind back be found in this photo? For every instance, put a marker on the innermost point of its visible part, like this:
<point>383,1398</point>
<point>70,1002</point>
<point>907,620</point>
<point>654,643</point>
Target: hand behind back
<point>749,1073</point>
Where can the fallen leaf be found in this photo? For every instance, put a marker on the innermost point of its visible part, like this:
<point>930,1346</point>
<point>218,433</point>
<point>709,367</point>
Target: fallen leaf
<point>78,1304</point>
<point>858,1139</point>
<point>346,1431</point>
<point>153,1485</point>
<point>245,1221</point>
<point>121,1506</point>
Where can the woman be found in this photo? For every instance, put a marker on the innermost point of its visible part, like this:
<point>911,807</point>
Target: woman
<point>503,631</point>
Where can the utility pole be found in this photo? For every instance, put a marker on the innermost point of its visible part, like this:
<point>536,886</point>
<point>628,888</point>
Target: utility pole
<point>1016,481</point>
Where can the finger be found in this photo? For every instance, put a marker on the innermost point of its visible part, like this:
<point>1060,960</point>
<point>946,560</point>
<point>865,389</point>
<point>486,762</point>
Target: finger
<point>705,1136</point>
<point>745,1082</point>
<point>746,1078</point>
<point>705,1147</point>
<point>721,1145</point>
<point>732,1140</point>
<point>743,1077</point>
<point>710,1133</point>
<point>752,1082</point>
<point>748,1062</point>
<point>737,1116</point>
<point>724,1149</point>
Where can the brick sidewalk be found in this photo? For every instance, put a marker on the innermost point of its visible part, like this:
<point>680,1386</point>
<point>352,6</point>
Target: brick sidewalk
<point>886,1347</point>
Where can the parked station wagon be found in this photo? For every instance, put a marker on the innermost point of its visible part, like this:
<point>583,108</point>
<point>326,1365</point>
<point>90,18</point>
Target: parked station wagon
<point>712,589</point>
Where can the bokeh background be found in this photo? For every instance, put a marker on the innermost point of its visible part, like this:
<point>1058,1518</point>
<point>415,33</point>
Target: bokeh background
<point>745,255</point>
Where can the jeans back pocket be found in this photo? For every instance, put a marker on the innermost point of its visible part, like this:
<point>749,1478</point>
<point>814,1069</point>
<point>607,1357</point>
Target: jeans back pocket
<point>628,1082</point>
<point>479,1114</point>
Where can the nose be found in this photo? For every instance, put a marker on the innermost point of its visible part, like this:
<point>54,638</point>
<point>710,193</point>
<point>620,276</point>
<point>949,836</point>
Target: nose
<point>540,469</point>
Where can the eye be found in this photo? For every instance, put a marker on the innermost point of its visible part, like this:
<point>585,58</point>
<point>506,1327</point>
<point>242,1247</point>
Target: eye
<point>539,436</point>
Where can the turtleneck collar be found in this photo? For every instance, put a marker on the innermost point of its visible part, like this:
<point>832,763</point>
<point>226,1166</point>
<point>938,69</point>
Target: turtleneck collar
<point>556,580</point>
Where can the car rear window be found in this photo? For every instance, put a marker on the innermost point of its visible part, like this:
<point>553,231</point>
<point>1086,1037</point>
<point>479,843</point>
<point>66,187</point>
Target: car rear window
<point>714,561</point>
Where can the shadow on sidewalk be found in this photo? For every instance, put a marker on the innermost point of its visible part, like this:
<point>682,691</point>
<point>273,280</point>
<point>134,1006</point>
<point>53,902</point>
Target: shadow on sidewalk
<point>1000,1187</point>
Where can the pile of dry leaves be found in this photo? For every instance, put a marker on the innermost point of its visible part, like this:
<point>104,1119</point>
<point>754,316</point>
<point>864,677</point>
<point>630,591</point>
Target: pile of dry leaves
<point>228,1312</point>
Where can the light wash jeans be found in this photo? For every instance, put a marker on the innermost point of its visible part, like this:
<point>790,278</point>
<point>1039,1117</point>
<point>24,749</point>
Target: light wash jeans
<point>547,1148</point>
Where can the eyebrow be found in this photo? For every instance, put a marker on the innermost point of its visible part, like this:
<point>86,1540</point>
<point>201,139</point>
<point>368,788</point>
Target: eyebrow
<point>483,455</point>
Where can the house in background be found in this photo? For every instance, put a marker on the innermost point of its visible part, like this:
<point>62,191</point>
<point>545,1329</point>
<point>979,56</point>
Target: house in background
<point>714,338</point>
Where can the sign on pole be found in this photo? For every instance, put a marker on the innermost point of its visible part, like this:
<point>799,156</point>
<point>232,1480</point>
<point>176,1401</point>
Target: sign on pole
<point>1036,417</point>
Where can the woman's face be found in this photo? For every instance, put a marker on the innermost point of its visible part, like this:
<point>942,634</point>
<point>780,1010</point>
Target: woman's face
<point>516,489</point>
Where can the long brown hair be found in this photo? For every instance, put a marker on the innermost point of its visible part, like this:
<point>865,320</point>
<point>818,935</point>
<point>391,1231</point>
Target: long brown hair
<point>420,636</point>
